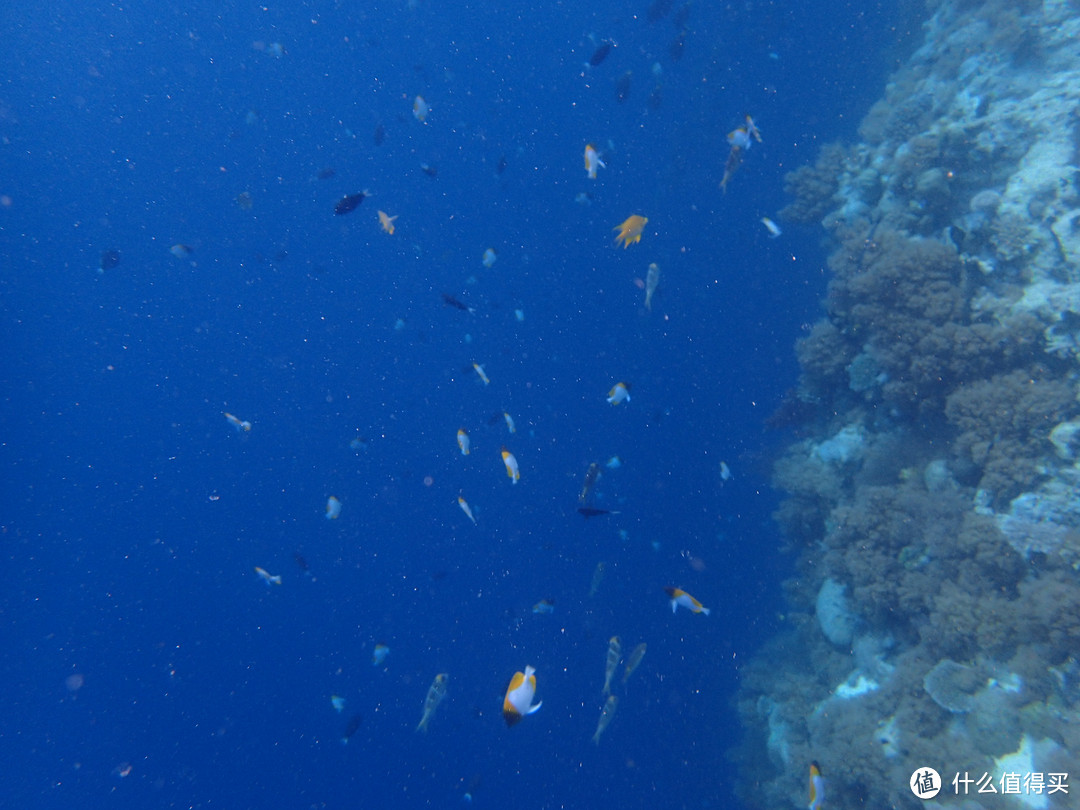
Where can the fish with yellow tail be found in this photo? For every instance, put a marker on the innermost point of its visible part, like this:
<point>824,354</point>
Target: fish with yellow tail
<point>386,222</point>
<point>630,230</point>
<point>614,655</point>
<point>592,161</point>
<point>619,394</point>
<point>513,472</point>
<point>519,696</point>
<point>267,577</point>
<point>333,508</point>
<point>435,693</point>
<point>463,441</point>
<point>681,597</point>
<point>652,280</point>
<point>817,787</point>
<point>606,715</point>
<point>464,504</point>
<point>241,425</point>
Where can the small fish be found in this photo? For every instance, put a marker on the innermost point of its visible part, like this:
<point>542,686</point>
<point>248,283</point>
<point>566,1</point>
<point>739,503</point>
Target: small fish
<point>725,472</point>
<point>430,169</point>
<point>464,504</point>
<point>601,52</point>
<point>358,443</point>
<point>817,787</point>
<point>489,257</point>
<point>619,393</point>
<point>591,475</point>
<point>510,426</point>
<point>242,426</point>
<point>450,301</point>
<point>181,251</point>
<point>338,703</point>
<point>613,463</point>
<point>614,655</point>
<point>543,607</point>
<point>606,714</point>
<point>386,222</point>
<point>519,695</point>
<point>588,512</point>
<point>435,693</point>
<point>512,470</point>
<point>681,597</point>
<point>480,373</point>
<point>333,508</point>
<point>349,203</point>
<point>597,578</point>
<point>630,230</point>
<point>326,173</point>
<point>378,655</point>
<point>378,137</point>
<point>622,86</point>
<point>463,441</point>
<point>652,280</point>
<point>420,109</point>
<point>633,660</point>
<point>351,728</point>
<point>592,161</point>
<point>771,227</point>
<point>267,577</point>
<point>500,167</point>
<point>108,260</point>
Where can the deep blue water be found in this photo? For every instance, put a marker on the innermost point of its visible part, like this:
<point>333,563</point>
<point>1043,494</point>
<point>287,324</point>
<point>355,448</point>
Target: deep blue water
<point>133,514</point>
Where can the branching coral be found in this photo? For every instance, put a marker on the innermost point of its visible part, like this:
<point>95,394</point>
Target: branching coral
<point>1003,425</point>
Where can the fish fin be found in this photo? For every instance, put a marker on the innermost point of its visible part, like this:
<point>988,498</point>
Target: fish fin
<point>533,709</point>
<point>705,610</point>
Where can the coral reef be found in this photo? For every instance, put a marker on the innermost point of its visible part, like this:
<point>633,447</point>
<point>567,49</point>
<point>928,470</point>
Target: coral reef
<point>930,500</point>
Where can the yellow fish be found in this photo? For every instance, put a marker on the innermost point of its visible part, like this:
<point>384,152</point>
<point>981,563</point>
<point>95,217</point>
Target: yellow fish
<point>630,230</point>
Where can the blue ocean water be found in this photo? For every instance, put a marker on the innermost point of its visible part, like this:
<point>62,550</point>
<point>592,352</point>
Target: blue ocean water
<point>136,632</point>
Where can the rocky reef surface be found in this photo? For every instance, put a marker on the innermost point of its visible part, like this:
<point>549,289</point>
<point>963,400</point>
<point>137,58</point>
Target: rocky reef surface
<point>932,497</point>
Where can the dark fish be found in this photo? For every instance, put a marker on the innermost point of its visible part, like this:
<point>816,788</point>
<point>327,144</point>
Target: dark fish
<point>656,98</point>
<point>450,301</point>
<point>348,203</point>
<point>682,16</point>
<point>300,561</point>
<point>430,169</point>
<point>500,167</point>
<point>327,173</point>
<point>379,135</point>
<point>351,728</point>
<point>109,259</point>
<point>675,49</point>
<point>601,52</point>
<point>659,9</point>
<point>622,87</point>
<point>588,512</point>
<point>590,478</point>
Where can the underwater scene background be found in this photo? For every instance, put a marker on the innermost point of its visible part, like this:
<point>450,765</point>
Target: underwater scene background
<point>848,333</point>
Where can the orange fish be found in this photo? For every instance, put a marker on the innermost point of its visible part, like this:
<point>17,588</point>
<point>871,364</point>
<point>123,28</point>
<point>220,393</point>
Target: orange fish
<point>630,230</point>
<point>519,695</point>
